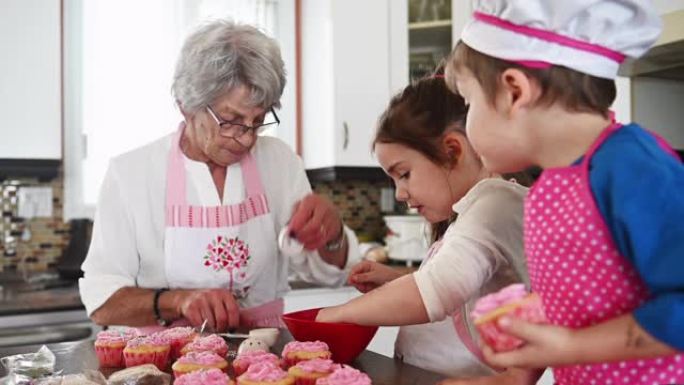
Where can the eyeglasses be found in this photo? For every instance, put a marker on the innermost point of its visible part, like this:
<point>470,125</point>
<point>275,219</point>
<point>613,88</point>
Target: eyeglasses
<point>232,129</point>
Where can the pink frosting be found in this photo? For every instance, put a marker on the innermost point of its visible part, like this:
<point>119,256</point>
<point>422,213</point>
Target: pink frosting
<point>201,358</point>
<point>250,358</point>
<point>305,346</point>
<point>178,333</point>
<point>152,340</point>
<point>264,371</point>
<point>318,365</point>
<point>205,377</point>
<point>211,342</point>
<point>116,336</point>
<point>345,375</point>
<point>504,296</point>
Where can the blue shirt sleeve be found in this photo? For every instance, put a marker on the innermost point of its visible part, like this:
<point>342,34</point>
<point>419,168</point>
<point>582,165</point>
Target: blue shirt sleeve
<point>639,189</point>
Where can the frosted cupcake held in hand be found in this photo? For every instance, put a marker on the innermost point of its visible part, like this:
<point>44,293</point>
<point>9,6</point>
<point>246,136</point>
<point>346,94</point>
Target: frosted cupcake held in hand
<point>513,301</point>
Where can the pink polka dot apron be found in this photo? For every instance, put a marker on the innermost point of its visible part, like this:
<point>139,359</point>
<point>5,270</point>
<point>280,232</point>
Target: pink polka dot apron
<point>231,247</point>
<point>577,270</point>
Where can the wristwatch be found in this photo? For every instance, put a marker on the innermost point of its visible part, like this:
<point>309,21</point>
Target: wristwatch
<point>336,244</point>
<point>155,306</point>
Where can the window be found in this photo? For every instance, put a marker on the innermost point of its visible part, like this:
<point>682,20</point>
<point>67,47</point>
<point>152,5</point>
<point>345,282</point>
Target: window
<point>119,62</point>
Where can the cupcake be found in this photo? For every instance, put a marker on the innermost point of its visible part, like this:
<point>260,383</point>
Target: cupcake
<point>513,301</point>
<point>178,337</point>
<point>210,343</point>
<point>296,351</point>
<point>204,377</point>
<point>307,372</point>
<point>265,373</point>
<point>197,361</point>
<point>109,347</point>
<point>242,362</point>
<point>345,375</point>
<point>152,349</point>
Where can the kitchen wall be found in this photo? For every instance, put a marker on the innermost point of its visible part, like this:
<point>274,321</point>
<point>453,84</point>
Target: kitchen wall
<point>49,236</point>
<point>359,204</point>
<point>357,200</point>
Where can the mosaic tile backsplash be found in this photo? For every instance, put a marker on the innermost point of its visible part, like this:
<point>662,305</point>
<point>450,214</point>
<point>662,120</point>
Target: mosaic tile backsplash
<point>357,200</point>
<point>49,236</point>
<point>359,203</point>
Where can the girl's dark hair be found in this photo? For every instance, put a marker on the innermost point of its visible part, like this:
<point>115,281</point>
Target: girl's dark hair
<point>418,117</point>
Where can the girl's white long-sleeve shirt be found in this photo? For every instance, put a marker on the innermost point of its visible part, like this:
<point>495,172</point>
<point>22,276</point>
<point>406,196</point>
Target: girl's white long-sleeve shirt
<point>481,251</point>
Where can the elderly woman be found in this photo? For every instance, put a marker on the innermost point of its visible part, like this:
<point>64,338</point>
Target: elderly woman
<point>186,227</point>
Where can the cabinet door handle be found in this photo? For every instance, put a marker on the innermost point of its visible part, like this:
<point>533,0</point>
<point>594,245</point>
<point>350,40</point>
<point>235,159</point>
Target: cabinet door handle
<point>345,143</point>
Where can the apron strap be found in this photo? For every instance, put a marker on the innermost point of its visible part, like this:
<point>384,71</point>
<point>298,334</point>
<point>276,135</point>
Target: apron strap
<point>251,176</point>
<point>176,178</point>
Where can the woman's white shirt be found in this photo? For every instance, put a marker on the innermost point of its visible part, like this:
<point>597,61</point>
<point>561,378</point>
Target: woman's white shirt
<point>485,239</point>
<point>127,246</point>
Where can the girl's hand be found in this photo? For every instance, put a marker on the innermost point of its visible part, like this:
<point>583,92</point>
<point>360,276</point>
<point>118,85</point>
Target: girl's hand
<point>366,275</point>
<point>327,314</point>
<point>545,345</point>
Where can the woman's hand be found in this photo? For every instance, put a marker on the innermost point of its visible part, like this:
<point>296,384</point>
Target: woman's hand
<point>366,275</point>
<point>315,222</point>
<point>217,306</point>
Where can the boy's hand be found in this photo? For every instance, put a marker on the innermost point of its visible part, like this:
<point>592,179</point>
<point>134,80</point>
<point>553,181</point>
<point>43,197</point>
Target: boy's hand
<point>545,345</point>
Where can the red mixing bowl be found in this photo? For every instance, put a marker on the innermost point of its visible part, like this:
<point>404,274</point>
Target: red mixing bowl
<point>346,341</point>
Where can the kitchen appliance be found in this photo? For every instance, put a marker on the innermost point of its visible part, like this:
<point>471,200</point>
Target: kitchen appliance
<point>69,266</point>
<point>408,237</point>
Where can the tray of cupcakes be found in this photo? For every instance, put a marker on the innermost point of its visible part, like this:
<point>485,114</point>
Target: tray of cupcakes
<point>196,358</point>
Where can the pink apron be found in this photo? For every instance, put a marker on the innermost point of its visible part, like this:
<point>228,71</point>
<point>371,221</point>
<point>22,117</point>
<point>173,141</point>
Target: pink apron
<point>232,247</point>
<point>577,270</point>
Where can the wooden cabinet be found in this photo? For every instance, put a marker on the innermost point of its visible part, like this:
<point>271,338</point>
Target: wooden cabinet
<point>30,79</point>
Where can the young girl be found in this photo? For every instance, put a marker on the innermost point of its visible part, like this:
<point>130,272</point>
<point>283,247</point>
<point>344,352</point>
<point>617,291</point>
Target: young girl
<point>603,224</point>
<point>422,146</point>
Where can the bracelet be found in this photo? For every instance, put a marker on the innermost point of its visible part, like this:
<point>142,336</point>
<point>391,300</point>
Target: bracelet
<point>155,306</point>
<point>337,244</point>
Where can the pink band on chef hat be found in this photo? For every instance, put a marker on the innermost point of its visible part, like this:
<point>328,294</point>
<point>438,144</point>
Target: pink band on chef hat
<point>550,37</point>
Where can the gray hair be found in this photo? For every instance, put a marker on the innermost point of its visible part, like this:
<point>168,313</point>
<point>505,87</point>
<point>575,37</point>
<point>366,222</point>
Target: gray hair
<point>222,55</point>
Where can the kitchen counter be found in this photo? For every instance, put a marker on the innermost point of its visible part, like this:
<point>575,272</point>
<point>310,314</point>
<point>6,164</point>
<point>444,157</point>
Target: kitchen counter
<point>18,297</point>
<point>74,357</point>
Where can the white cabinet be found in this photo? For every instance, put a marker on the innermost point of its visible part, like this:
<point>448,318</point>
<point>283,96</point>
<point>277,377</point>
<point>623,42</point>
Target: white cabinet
<point>345,79</point>
<point>423,32</point>
<point>355,55</point>
<point>30,79</point>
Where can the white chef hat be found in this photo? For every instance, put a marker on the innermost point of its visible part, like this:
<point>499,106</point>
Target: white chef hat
<point>589,36</point>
